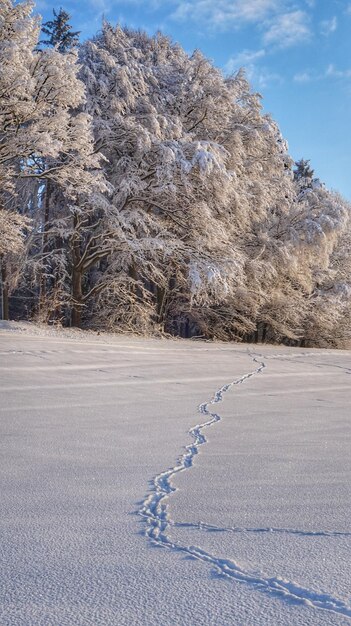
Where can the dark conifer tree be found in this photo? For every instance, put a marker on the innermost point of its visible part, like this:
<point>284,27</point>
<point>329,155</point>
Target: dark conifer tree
<point>303,170</point>
<point>60,33</point>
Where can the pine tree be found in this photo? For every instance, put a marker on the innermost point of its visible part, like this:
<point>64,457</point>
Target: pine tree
<point>59,31</point>
<point>303,170</point>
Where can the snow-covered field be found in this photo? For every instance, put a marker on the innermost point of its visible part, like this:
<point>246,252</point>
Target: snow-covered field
<point>113,513</point>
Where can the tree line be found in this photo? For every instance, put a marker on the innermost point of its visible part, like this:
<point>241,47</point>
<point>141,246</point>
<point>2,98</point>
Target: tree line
<point>141,190</point>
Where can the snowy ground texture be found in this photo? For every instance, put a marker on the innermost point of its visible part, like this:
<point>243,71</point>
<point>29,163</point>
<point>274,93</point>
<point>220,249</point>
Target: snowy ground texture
<point>170,483</point>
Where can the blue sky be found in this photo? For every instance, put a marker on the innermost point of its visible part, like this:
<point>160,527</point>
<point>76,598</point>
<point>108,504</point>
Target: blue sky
<point>296,54</point>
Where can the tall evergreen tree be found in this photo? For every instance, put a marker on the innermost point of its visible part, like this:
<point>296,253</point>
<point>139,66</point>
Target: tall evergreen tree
<point>60,33</point>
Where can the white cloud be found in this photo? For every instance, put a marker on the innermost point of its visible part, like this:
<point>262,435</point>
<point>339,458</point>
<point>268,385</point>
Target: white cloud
<point>103,6</point>
<point>243,59</point>
<point>333,72</point>
<point>224,14</point>
<point>303,77</point>
<point>329,73</point>
<point>260,77</point>
<point>41,5</point>
<point>280,22</point>
<point>288,29</point>
<point>329,26</point>
<point>264,77</point>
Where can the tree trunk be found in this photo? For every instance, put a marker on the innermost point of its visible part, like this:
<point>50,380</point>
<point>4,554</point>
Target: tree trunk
<point>187,329</point>
<point>4,293</point>
<point>133,273</point>
<point>77,277</point>
<point>264,332</point>
<point>77,295</point>
<point>42,282</point>
<point>160,303</point>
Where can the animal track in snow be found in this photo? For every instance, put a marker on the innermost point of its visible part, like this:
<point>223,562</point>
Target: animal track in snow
<point>154,511</point>
<point>270,530</point>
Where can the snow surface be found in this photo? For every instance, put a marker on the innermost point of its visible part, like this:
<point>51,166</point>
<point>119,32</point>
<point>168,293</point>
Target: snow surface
<point>112,513</point>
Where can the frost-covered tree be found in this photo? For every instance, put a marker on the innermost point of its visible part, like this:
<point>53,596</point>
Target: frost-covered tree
<point>182,147</point>
<point>44,135</point>
<point>151,158</point>
<point>38,93</point>
<point>215,234</point>
<point>13,227</point>
<point>300,242</point>
<point>321,231</point>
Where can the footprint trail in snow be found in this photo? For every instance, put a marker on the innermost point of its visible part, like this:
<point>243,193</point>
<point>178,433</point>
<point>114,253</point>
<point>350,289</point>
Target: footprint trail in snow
<point>154,511</point>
